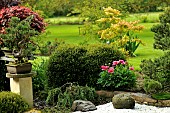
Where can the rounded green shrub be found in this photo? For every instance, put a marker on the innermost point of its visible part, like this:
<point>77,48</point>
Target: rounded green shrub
<point>79,64</point>
<point>12,103</point>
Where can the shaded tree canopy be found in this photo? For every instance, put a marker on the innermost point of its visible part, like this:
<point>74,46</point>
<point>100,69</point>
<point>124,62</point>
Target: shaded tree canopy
<point>8,3</point>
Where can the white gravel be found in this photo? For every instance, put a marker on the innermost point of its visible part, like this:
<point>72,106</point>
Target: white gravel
<point>108,108</point>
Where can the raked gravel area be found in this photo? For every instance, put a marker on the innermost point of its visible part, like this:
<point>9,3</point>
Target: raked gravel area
<point>139,108</point>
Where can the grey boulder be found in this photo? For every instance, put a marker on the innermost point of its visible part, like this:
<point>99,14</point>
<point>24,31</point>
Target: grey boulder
<point>81,105</point>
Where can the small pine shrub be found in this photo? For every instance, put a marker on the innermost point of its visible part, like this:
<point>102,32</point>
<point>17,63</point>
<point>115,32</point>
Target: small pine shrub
<point>152,86</point>
<point>12,103</point>
<point>64,98</point>
<point>79,64</point>
<point>53,96</point>
<point>158,69</point>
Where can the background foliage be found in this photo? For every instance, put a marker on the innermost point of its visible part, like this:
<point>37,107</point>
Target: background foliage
<point>92,8</point>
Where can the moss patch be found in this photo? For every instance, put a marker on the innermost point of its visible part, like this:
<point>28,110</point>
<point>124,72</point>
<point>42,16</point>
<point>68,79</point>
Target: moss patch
<point>161,96</point>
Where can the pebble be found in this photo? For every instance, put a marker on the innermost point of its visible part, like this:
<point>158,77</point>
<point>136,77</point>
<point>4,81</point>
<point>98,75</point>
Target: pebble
<point>139,108</point>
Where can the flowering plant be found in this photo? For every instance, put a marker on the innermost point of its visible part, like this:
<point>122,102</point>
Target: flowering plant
<point>117,76</point>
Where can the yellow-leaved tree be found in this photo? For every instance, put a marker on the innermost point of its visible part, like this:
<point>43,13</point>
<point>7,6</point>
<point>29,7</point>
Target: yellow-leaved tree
<point>114,30</point>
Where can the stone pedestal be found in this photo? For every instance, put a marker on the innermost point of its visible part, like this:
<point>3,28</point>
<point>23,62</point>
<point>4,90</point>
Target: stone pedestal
<point>22,85</point>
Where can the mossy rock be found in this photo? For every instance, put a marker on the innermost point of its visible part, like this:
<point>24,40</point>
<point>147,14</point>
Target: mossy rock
<point>123,101</point>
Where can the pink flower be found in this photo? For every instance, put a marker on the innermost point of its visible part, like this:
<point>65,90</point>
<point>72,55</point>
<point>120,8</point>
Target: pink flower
<point>111,70</point>
<point>131,68</point>
<point>115,63</point>
<point>122,62</point>
<point>104,67</point>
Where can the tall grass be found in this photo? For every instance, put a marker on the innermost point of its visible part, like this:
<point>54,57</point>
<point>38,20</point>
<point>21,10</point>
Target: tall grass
<point>144,17</point>
<point>65,20</point>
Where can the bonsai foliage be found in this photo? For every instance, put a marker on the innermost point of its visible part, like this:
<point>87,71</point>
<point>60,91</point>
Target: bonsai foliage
<point>22,13</point>
<point>114,30</point>
<point>162,32</point>
<point>18,37</point>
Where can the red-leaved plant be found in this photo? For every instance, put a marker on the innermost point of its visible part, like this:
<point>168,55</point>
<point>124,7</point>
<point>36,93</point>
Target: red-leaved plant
<point>118,76</point>
<point>21,12</point>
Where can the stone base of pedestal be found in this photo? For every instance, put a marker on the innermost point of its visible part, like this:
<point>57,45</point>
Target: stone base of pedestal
<point>22,85</point>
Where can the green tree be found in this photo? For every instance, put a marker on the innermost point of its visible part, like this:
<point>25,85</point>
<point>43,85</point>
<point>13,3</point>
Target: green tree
<point>162,32</point>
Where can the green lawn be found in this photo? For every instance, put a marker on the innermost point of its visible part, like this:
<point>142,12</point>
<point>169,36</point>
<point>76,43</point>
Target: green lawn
<point>67,33</point>
<point>70,34</point>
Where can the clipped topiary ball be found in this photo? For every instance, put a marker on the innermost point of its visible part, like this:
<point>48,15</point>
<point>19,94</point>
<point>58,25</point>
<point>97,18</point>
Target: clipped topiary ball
<point>12,103</point>
<point>123,101</point>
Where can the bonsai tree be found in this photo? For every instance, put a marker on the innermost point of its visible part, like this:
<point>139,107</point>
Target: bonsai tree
<point>19,37</point>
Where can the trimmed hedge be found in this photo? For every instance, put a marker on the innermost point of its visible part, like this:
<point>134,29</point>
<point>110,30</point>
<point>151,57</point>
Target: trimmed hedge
<point>12,103</point>
<point>79,64</point>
